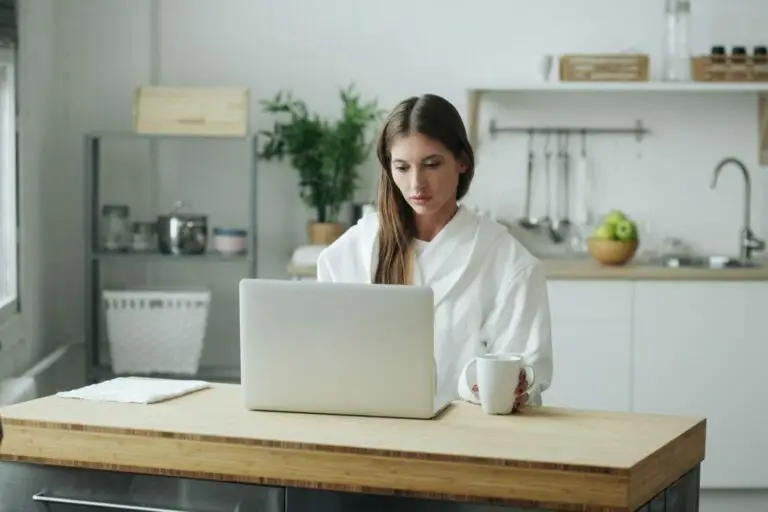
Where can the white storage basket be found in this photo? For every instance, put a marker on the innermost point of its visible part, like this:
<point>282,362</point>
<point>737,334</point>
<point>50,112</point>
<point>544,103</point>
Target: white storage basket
<point>153,331</point>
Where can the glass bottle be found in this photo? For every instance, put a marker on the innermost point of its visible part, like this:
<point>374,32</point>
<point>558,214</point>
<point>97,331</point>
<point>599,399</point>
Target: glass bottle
<point>677,45</point>
<point>145,236</point>
<point>115,227</point>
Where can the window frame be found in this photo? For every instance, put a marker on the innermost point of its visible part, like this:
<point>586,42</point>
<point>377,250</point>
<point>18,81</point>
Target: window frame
<point>10,312</point>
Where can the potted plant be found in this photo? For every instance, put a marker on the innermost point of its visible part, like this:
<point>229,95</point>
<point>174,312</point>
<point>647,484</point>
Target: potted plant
<point>325,153</point>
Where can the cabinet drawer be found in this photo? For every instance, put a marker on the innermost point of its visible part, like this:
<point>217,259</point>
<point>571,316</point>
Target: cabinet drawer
<point>699,350</point>
<point>121,491</point>
<point>590,299</point>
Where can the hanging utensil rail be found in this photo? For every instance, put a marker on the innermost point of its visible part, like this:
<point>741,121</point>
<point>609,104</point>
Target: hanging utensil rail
<point>639,130</point>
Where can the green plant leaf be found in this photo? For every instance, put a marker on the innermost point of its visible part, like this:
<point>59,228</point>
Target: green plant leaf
<point>326,154</point>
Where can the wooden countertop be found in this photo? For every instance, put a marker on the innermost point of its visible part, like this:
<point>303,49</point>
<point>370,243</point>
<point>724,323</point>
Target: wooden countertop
<point>591,270</point>
<point>583,269</point>
<point>546,457</point>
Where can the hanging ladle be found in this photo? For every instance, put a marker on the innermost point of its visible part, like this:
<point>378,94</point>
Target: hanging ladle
<point>560,227</point>
<point>528,222</point>
<point>546,222</point>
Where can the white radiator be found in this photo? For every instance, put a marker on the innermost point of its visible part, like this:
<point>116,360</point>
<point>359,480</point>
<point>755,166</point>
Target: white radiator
<point>61,369</point>
<point>17,389</point>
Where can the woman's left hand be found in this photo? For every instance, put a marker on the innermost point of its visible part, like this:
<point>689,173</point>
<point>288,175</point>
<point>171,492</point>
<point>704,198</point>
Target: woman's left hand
<point>522,397</point>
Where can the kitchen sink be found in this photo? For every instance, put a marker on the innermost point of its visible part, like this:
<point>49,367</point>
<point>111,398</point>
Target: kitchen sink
<point>713,262</point>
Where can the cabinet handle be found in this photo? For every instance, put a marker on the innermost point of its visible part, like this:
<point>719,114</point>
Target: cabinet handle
<point>48,499</point>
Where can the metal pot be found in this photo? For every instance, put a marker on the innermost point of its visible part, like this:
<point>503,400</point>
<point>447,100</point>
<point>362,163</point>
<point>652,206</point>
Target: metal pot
<point>182,233</point>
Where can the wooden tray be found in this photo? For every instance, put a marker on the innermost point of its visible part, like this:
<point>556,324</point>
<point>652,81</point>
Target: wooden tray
<point>728,69</point>
<point>619,67</point>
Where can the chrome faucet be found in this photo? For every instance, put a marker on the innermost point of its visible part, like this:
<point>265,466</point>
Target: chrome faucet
<point>749,242</point>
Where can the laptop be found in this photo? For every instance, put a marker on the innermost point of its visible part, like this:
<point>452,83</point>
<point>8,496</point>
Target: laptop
<point>338,348</point>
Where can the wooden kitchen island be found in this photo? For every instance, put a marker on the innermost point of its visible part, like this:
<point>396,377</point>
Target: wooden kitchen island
<point>204,452</point>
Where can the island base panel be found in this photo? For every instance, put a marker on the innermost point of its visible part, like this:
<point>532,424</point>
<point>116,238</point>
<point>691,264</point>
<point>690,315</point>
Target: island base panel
<point>88,490</point>
<point>85,488</point>
<point>681,496</point>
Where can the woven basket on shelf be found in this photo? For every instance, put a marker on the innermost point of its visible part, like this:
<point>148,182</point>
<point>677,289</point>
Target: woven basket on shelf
<point>156,331</point>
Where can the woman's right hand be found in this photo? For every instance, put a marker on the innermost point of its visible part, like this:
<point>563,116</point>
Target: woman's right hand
<point>522,397</point>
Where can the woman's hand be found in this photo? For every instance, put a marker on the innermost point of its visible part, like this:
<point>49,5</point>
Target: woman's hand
<point>522,398</point>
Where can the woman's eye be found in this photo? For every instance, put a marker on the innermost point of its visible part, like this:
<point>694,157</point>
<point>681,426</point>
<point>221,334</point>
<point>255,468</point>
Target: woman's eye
<point>401,169</point>
<point>433,165</point>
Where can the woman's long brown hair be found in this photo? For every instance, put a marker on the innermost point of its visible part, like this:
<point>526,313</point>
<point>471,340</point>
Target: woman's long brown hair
<point>435,118</point>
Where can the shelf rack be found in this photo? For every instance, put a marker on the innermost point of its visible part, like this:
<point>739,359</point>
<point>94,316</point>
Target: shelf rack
<point>759,89</point>
<point>95,369</point>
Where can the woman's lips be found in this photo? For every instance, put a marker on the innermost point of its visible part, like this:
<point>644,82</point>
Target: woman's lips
<point>420,199</point>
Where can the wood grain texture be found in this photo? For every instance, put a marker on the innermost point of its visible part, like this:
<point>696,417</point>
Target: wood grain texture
<point>588,269</point>
<point>547,457</point>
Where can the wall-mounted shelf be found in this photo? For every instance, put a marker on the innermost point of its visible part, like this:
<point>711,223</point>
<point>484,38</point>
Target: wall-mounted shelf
<point>760,89</point>
<point>629,87</point>
<point>182,258</point>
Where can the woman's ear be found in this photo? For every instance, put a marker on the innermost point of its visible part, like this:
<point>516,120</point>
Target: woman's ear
<point>463,166</point>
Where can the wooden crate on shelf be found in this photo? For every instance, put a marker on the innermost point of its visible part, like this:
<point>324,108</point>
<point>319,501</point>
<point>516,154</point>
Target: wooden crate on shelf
<point>209,111</point>
<point>726,68</point>
<point>618,67</point>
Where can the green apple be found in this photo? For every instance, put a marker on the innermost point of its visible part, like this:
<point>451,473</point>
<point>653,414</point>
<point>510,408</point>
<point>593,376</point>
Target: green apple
<point>604,232</point>
<point>614,217</point>
<point>626,230</point>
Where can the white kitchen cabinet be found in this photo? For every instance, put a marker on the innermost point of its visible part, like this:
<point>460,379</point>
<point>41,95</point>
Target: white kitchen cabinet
<point>700,348</point>
<point>591,338</point>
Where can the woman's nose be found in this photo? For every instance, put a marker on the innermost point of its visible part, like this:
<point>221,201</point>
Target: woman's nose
<point>418,179</point>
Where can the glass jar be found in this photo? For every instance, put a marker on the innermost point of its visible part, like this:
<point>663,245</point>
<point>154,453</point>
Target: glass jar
<point>145,236</point>
<point>115,227</point>
<point>677,45</point>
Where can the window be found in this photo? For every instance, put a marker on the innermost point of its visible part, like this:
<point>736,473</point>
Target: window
<point>9,269</point>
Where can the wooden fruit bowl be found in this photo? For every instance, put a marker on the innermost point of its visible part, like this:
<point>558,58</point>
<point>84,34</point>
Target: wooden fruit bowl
<point>612,252</point>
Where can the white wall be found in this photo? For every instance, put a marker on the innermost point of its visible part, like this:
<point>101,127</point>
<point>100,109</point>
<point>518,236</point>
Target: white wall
<point>103,50</point>
<point>392,50</point>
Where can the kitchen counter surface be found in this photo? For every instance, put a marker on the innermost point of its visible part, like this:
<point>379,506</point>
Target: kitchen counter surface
<point>588,269</point>
<point>584,269</point>
<point>559,459</point>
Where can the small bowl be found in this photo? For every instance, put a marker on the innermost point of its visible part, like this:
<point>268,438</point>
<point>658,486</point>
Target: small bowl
<point>612,252</point>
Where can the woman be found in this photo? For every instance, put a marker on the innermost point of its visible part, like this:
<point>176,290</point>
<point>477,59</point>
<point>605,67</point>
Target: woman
<point>490,292</point>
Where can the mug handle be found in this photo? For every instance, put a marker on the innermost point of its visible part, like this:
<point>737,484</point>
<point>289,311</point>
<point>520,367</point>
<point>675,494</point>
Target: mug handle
<point>532,381</point>
<point>473,397</point>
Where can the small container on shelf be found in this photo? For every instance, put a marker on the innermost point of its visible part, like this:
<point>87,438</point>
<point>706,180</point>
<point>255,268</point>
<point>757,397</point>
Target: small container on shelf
<point>115,228</point>
<point>739,63</point>
<point>737,66</point>
<point>145,236</point>
<point>229,241</point>
<point>760,60</point>
<point>677,44</point>
<point>717,56</point>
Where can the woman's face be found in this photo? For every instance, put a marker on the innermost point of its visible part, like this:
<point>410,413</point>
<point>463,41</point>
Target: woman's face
<point>426,173</point>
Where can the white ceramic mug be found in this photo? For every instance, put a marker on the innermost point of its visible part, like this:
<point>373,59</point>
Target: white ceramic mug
<point>498,376</point>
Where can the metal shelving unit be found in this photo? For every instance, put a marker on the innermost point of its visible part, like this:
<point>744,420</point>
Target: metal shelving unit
<point>95,369</point>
